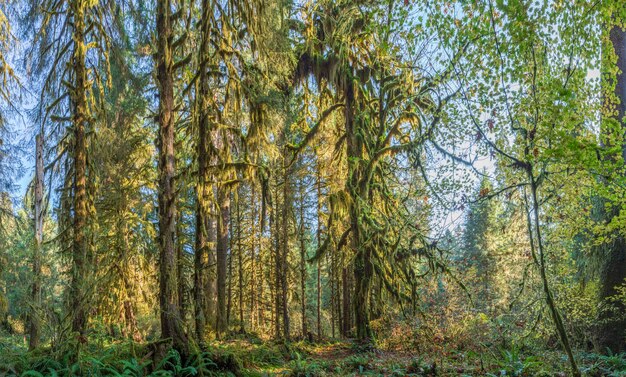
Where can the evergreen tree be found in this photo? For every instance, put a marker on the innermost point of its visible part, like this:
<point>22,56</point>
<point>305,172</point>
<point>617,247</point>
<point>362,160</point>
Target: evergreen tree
<point>478,248</point>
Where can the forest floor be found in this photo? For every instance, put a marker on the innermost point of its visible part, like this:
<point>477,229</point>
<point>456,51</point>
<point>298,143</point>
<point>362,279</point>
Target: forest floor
<point>244,356</point>
<point>343,358</point>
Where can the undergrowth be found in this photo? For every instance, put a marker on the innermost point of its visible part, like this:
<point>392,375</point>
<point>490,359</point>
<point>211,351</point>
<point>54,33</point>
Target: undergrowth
<point>129,360</point>
<point>254,358</point>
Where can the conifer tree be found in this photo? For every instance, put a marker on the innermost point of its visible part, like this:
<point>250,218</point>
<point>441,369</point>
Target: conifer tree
<point>477,248</point>
<point>171,321</point>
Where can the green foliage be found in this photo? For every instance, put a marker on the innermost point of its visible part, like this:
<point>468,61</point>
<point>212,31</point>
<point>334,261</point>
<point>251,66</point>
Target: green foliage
<point>611,364</point>
<point>513,363</point>
<point>222,361</point>
<point>265,356</point>
<point>480,224</point>
<point>116,361</point>
<point>358,363</point>
<point>251,353</point>
<point>172,365</point>
<point>301,367</point>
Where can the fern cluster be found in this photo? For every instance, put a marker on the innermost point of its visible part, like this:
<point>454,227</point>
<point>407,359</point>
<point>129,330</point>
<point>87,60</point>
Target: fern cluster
<point>28,365</point>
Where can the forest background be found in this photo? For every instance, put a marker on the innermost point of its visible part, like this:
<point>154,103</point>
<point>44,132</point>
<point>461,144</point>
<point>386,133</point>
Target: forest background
<point>413,187</point>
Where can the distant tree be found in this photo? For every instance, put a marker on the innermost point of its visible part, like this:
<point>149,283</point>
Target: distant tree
<point>480,224</point>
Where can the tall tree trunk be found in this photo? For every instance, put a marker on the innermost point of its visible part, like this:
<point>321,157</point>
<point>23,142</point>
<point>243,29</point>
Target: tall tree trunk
<point>613,273</point>
<point>346,302</point>
<point>363,270</point>
<point>210,295</point>
<point>240,265</point>
<point>358,189</point>
<point>261,283</point>
<point>261,265</point>
<point>333,297</point>
<point>223,222</point>
<point>277,275</point>
<point>199,263</point>
<point>285,251</point>
<point>318,234</point>
<point>171,324</point>
<point>79,309</point>
<point>231,248</point>
<point>34,323</point>
<point>131,321</point>
<point>203,187</point>
<point>303,262</point>
<point>180,267</point>
<point>253,281</point>
<point>338,298</point>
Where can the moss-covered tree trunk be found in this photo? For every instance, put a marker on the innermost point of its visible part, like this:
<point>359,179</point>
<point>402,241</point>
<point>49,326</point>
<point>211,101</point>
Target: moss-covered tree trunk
<point>33,317</point>
<point>261,281</point>
<point>284,250</point>
<point>613,273</point>
<point>201,240</point>
<point>182,304</point>
<point>80,116</point>
<point>318,235</point>
<point>333,294</point>
<point>171,323</point>
<point>346,325</point>
<point>275,290</point>
<point>229,276</point>
<point>254,309</point>
<point>363,271</point>
<point>303,258</point>
<point>199,264</point>
<point>240,266</point>
<point>203,187</point>
<point>223,199</point>
<point>359,196</point>
<point>210,290</point>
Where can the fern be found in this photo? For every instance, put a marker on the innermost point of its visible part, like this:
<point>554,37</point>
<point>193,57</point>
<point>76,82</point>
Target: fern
<point>31,373</point>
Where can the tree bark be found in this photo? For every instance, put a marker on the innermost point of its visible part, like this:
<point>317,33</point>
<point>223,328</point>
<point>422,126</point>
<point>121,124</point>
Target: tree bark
<point>261,282</point>
<point>34,321</point>
<point>303,263</point>
<point>613,272</point>
<point>319,268</point>
<point>199,269</point>
<point>284,254</point>
<point>171,324</point>
<point>242,329</point>
<point>210,296</point>
<point>345,326</point>
<point>277,275</point>
<point>180,267</point>
<point>253,281</point>
<point>333,296</point>
<point>358,189</point>
<point>80,116</point>
<point>223,196</point>
<point>231,255</point>
<point>338,297</point>
<point>201,257</point>
<point>261,266</point>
